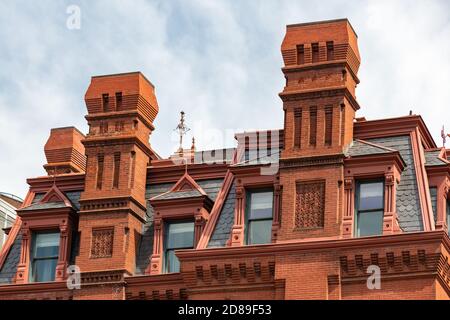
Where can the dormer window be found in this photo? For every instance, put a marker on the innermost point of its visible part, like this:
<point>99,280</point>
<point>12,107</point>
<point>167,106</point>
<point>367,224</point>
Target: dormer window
<point>259,216</point>
<point>369,208</point>
<point>179,220</point>
<point>179,235</point>
<point>44,256</point>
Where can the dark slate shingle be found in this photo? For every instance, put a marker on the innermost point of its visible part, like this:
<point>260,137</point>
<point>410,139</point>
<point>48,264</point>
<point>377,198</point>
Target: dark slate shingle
<point>41,206</point>
<point>433,194</point>
<point>432,158</point>
<point>74,197</point>
<point>9,268</point>
<point>408,205</point>
<point>225,222</point>
<point>179,195</point>
<point>359,148</point>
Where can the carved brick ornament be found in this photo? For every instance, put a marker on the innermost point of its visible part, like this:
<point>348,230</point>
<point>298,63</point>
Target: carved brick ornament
<point>102,243</point>
<point>310,205</point>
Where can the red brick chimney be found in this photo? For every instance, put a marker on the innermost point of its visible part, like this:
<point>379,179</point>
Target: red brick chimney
<point>321,64</point>
<point>64,151</point>
<point>121,111</point>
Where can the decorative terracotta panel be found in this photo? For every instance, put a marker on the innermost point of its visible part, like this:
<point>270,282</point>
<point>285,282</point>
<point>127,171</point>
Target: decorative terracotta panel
<point>310,205</point>
<point>102,243</point>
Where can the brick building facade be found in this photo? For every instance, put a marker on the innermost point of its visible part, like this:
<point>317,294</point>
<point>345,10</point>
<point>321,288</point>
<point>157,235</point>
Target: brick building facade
<point>304,212</point>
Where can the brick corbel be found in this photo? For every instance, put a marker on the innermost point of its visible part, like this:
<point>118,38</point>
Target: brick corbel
<point>155,266</point>
<point>23,268</point>
<point>390,217</point>
<point>442,215</point>
<point>65,232</point>
<point>277,196</point>
<point>237,233</point>
<point>349,208</point>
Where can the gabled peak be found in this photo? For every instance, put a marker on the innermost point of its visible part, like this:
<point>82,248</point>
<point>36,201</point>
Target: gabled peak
<point>55,195</point>
<point>187,183</point>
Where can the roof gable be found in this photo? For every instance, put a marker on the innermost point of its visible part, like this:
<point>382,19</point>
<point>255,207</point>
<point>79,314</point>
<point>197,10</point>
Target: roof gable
<point>54,198</point>
<point>185,187</point>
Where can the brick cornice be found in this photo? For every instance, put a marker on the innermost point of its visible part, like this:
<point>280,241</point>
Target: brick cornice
<point>393,127</point>
<point>327,160</point>
<point>33,288</point>
<point>323,92</point>
<point>437,237</point>
<point>321,65</point>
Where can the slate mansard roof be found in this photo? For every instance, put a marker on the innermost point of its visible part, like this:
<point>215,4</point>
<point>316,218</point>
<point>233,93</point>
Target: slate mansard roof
<point>408,201</point>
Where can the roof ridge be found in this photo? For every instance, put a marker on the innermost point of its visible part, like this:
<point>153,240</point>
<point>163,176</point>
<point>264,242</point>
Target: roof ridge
<point>257,158</point>
<point>376,145</point>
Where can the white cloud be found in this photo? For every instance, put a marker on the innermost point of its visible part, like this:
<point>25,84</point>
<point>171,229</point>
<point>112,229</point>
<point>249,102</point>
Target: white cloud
<point>218,60</point>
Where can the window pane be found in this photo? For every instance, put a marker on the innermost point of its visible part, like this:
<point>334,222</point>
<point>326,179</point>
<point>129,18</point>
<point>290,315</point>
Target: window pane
<point>369,223</point>
<point>180,235</point>
<point>261,205</point>
<point>172,262</point>
<point>259,231</point>
<point>44,270</point>
<point>371,196</point>
<point>46,245</point>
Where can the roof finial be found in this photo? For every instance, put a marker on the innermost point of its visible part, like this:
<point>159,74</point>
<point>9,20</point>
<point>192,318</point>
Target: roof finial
<point>181,129</point>
<point>193,144</point>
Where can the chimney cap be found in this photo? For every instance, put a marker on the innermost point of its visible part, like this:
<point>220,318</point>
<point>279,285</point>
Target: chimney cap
<point>304,24</point>
<point>124,74</point>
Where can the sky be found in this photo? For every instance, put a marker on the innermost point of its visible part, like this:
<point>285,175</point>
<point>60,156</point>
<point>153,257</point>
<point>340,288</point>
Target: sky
<point>217,60</point>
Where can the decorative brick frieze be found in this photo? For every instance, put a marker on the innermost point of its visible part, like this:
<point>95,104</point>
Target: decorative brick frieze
<point>102,277</point>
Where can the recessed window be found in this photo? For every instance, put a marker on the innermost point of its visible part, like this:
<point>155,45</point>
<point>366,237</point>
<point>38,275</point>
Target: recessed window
<point>105,100</point>
<point>315,52</point>
<point>328,125</point>
<point>369,208</point>
<point>100,164</point>
<point>44,256</point>
<point>300,54</point>
<point>297,128</point>
<point>179,235</point>
<point>259,214</point>
<point>330,50</point>
<point>313,126</point>
<point>116,170</point>
<point>118,100</point>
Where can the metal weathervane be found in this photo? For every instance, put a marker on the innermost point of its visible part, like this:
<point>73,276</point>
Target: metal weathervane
<point>444,136</point>
<point>182,129</point>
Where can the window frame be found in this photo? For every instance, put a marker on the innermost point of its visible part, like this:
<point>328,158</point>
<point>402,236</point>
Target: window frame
<point>166,250</point>
<point>448,214</point>
<point>248,194</point>
<point>33,259</point>
<point>357,211</point>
